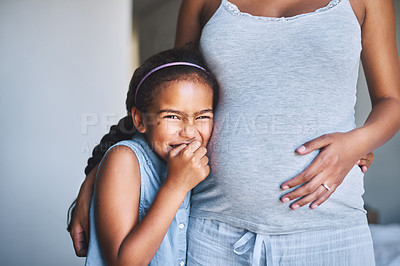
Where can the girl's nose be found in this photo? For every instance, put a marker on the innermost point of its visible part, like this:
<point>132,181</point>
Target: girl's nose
<point>188,131</point>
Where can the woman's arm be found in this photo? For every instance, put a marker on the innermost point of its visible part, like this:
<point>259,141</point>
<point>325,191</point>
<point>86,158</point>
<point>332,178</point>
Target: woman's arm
<point>123,239</point>
<point>189,22</point>
<point>193,15</point>
<point>382,71</point>
<point>340,151</point>
<point>79,225</point>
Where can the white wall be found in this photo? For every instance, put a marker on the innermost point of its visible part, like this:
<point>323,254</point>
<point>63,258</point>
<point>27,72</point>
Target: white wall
<point>59,60</point>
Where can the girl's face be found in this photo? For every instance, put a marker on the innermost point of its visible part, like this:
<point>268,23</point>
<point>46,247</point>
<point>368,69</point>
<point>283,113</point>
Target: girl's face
<point>180,113</point>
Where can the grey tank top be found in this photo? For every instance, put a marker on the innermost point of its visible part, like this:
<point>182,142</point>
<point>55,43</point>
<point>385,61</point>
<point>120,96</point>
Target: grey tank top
<point>283,81</point>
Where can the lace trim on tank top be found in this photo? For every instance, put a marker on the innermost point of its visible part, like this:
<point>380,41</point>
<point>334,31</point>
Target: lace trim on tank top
<point>232,8</point>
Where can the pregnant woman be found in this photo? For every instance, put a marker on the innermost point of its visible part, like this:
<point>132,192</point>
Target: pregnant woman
<point>284,134</point>
<point>288,72</point>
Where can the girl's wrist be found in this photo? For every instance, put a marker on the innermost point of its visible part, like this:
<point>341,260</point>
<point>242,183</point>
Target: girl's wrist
<point>175,188</point>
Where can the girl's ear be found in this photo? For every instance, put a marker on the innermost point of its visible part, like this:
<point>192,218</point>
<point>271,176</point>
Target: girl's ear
<point>138,121</point>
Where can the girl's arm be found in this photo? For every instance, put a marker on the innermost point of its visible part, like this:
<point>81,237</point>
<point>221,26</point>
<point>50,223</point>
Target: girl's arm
<point>79,209</point>
<point>123,239</point>
<point>340,151</point>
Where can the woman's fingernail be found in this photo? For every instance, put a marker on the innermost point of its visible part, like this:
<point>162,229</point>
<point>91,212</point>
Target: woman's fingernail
<point>295,206</point>
<point>313,206</point>
<point>285,187</point>
<point>301,149</point>
<point>358,161</point>
<point>284,200</point>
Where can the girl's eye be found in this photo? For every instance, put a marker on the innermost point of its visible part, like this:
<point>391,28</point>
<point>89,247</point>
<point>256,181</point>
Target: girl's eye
<point>204,117</point>
<point>171,117</point>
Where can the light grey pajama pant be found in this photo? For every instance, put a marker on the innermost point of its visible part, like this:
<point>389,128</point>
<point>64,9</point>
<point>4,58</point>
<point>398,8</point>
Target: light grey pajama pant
<point>211,242</point>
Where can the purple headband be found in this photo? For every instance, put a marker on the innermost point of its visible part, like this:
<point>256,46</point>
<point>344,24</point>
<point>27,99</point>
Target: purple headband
<point>164,66</point>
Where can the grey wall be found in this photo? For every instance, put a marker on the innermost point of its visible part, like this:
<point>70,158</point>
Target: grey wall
<point>60,63</point>
<point>382,181</point>
<point>156,25</point>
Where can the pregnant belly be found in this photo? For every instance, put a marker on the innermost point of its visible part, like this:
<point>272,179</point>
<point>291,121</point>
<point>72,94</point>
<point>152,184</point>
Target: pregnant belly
<point>259,143</point>
<point>268,157</point>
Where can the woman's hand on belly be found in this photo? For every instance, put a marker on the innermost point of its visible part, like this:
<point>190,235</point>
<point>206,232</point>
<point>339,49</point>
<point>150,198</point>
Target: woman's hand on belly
<point>339,153</point>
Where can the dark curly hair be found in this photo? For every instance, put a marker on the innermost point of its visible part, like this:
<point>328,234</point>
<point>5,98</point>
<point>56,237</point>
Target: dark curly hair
<point>125,129</point>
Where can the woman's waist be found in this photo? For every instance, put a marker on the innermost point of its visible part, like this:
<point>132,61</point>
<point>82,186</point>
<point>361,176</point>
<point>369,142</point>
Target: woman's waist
<point>286,221</point>
<point>285,224</point>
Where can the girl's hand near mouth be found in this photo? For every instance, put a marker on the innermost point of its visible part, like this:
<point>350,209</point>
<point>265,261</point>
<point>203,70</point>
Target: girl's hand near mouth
<point>187,166</point>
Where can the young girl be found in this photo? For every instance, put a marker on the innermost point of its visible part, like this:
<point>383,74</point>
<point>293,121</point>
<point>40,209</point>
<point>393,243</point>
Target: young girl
<point>140,207</point>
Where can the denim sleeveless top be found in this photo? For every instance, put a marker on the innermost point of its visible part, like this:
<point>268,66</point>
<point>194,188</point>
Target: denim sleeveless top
<point>153,171</point>
<point>284,81</point>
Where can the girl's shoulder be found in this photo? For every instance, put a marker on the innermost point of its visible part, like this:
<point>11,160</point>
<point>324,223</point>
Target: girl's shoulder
<point>126,153</point>
<point>140,148</point>
<point>122,154</point>
<point>119,167</point>
<point>137,146</point>
<point>133,144</point>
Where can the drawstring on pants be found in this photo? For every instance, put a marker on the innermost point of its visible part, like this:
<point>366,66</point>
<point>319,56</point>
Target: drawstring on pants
<point>249,240</point>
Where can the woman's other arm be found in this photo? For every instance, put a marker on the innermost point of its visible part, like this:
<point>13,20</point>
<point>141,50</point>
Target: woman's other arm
<point>193,15</point>
<point>340,151</point>
<point>79,225</point>
<point>382,71</point>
